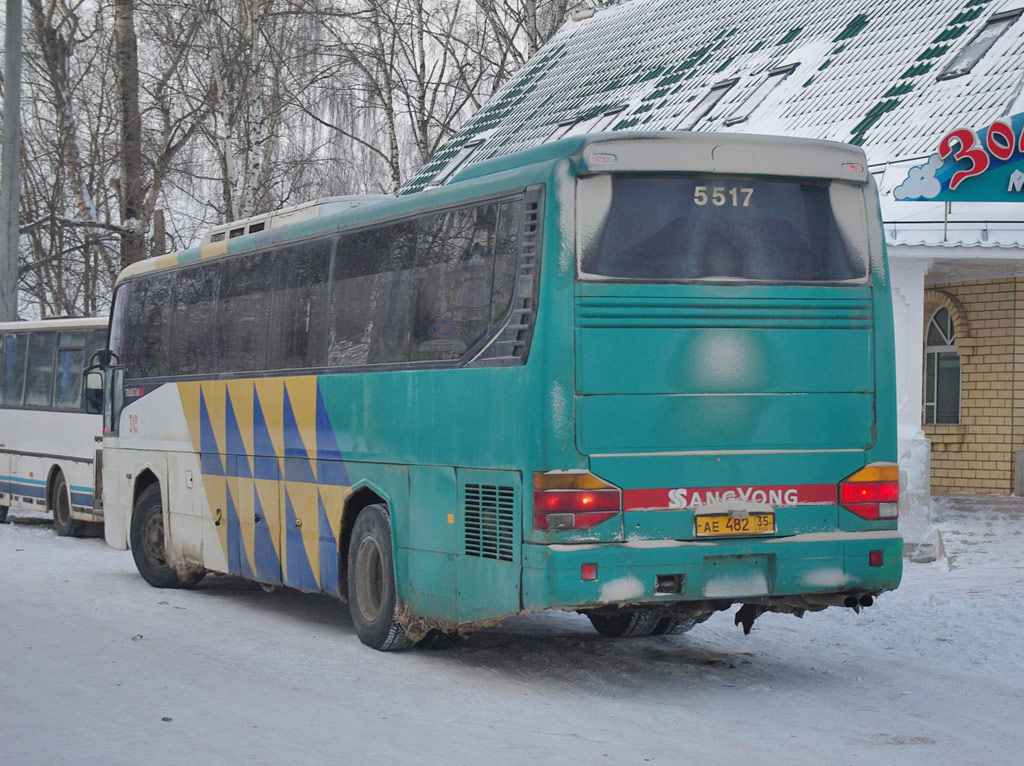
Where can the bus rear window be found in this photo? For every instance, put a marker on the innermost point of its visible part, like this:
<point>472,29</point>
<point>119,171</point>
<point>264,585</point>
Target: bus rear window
<point>720,228</point>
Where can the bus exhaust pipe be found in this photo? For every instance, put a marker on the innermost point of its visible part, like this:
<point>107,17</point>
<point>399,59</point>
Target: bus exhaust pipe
<point>832,599</point>
<point>866,600</point>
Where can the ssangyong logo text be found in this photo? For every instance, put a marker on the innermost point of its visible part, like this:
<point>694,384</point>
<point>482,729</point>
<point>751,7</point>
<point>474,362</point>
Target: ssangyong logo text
<point>687,499</point>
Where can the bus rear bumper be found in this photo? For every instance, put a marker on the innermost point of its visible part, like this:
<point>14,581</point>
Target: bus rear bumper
<point>666,572</point>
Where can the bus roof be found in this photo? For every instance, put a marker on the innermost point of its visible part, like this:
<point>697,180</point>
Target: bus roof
<point>619,151</point>
<point>70,323</point>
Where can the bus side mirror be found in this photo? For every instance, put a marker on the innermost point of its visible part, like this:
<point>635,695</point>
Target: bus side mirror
<point>94,392</point>
<point>101,359</point>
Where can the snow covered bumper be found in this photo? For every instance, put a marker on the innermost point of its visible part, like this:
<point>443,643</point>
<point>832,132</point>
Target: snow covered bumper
<point>666,570</point>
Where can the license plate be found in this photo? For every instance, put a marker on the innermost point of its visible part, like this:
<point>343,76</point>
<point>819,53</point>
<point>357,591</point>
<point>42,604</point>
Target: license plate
<point>724,525</point>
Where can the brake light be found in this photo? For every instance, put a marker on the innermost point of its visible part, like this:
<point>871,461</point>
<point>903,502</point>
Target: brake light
<point>873,492</point>
<point>564,500</point>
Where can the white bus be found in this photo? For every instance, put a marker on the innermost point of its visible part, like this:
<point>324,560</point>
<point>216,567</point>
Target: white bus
<point>49,445</point>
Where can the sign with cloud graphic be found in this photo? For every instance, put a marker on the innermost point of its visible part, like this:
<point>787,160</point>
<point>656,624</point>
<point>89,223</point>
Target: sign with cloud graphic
<point>972,166</point>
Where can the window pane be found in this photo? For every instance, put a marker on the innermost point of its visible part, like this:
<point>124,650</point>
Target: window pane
<point>67,391</point>
<point>374,291</point>
<point>96,341</point>
<point>145,332</point>
<point>243,309</point>
<point>297,327</point>
<point>510,219</point>
<point>195,292</point>
<point>74,339</point>
<point>979,46</point>
<point>119,319</point>
<point>453,276</point>
<point>947,400</point>
<point>15,358</point>
<point>705,105</point>
<point>935,332</point>
<point>662,228</point>
<point>39,381</point>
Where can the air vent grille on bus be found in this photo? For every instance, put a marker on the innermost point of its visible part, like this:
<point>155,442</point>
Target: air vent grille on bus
<point>490,521</point>
<point>513,341</point>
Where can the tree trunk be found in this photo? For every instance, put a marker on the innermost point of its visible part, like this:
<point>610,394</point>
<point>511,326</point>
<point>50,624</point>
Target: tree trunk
<point>133,191</point>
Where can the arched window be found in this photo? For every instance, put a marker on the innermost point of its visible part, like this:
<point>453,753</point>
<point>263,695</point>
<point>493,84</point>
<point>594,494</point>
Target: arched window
<point>941,371</point>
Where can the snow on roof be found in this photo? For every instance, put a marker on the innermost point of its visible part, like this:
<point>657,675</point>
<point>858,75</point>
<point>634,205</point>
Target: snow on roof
<point>866,72</point>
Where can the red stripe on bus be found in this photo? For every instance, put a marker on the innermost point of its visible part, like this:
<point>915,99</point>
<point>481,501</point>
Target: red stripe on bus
<point>686,498</point>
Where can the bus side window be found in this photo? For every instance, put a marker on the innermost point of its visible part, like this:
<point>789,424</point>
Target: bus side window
<point>243,306</point>
<point>15,362</point>
<point>39,380</point>
<point>392,295</point>
<point>67,385</point>
<point>145,330</point>
<point>298,323</point>
<point>506,252</point>
<point>192,319</point>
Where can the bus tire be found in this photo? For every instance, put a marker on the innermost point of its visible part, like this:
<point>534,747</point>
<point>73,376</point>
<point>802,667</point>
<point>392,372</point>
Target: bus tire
<point>668,626</point>
<point>372,597</point>
<point>63,524</point>
<point>147,539</point>
<point>3,514</point>
<point>632,623</point>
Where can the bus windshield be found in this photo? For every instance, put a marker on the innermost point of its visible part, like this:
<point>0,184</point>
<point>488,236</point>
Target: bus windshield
<point>720,228</point>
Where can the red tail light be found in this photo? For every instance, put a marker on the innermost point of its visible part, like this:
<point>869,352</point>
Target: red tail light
<point>873,492</point>
<point>564,501</point>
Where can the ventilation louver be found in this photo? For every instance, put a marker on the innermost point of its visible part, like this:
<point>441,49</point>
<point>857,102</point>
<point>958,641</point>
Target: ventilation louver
<point>490,521</point>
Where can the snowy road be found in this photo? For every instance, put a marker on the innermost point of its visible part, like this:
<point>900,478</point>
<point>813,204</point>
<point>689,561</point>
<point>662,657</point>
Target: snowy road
<point>98,667</point>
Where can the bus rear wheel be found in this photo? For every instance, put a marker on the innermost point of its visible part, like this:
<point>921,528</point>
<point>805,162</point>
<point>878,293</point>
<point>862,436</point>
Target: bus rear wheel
<point>148,543</point>
<point>372,596</point>
<point>632,623</point>
<point>63,524</point>
<point>3,514</point>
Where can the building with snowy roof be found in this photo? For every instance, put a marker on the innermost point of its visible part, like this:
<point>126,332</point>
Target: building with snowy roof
<point>897,78</point>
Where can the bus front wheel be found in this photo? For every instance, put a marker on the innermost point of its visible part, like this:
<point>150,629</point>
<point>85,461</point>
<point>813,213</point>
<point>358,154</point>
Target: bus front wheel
<point>63,524</point>
<point>148,543</point>
<point>371,582</point>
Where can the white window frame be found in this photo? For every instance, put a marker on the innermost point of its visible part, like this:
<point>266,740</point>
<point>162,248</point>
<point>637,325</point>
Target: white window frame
<point>929,399</point>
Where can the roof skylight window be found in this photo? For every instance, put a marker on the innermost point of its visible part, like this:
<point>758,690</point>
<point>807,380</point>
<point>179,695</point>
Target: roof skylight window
<point>701,108</point>
<point>980,44</point>
<point>607,119</point>
<point>561,130</point>
<point>457,161</point>
<point>760,93</point>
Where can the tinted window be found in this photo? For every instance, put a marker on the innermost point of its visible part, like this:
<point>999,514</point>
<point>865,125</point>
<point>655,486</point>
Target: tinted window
<point>373,295</point>
<point>143,337</point>
<point>299,320</point>
<point>95,341</point>
<point>510,218</point>
<point>423,291</point>
<point>39,380</point>
<point>243,307</point>
<point>67,387</point>
<point>670,228</point>
<point>192,346</point>
<point>454,273</point>
<point>15,357</point>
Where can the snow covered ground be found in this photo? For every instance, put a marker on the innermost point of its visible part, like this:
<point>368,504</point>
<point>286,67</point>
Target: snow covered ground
<point>98,667</point>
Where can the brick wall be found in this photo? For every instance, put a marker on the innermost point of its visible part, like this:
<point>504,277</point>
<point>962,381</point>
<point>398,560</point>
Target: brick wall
<point>977,456</point>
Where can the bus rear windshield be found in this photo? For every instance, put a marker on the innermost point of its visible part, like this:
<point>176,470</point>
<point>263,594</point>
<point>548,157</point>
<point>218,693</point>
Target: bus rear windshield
<point>716,228</point>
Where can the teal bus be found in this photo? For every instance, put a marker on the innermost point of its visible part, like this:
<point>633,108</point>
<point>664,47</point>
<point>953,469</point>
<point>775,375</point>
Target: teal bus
<point>642,376</point>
